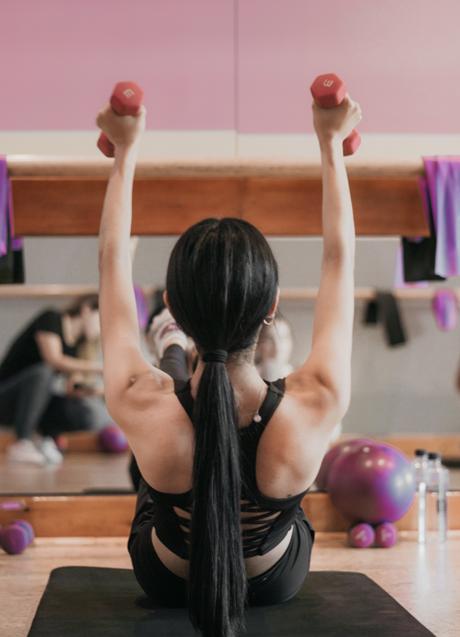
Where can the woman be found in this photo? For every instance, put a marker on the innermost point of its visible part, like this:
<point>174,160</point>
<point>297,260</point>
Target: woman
<point>49,345</point>
<point>224,443</point>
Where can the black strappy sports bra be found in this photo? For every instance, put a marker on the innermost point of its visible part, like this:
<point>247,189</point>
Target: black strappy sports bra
<point>268,519</point>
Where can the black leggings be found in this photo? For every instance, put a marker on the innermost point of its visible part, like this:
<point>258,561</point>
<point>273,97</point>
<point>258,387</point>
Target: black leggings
<point>24,398</point>
<point>28,403</point>
<point>280,583</point>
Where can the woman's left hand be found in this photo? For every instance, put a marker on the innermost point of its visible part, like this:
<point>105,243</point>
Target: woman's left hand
<point>123,131</point>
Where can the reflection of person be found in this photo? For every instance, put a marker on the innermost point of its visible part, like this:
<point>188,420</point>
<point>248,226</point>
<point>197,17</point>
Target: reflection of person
<point>274,350</point>
<point>28,373</point>
<point>225,458</point>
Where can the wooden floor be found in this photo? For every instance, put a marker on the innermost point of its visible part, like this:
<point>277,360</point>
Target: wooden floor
<point>78,472</point>
<point>423,580</point>
<point>82,471</point>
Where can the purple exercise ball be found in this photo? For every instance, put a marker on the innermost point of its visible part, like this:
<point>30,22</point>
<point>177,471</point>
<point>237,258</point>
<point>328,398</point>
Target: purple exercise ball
<point>386,535</point>
<point>13,539</point>
<point>361,536</point>
<point>112,439</point>
<point>334,452</point>
<point>372,483</point>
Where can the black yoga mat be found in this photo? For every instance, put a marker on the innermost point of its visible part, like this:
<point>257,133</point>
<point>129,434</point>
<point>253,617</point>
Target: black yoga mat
<point>107,602</point>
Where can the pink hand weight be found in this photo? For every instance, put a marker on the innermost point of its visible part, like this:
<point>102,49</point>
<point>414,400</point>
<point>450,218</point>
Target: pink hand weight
<point>361,536</point>
<point>328,91</point>
<point>126,99</point>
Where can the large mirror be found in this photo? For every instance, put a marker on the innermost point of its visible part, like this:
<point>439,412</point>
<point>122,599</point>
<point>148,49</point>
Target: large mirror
<point>407,388</point>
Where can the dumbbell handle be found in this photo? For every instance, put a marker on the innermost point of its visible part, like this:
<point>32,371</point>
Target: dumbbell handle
<point>126,99</point>
<point>329,91</point>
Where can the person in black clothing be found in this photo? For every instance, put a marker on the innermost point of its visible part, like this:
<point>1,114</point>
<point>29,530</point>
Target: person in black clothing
<point>47,345</point>
<point>225,457</point>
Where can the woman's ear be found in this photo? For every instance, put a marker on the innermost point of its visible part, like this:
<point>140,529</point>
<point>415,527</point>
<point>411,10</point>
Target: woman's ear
<point>165,299</point>
<point>274,307</point>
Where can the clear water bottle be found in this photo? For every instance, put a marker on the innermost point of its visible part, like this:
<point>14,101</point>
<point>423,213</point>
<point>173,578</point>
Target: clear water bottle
<point>420,467</point>
<point>438,482</point>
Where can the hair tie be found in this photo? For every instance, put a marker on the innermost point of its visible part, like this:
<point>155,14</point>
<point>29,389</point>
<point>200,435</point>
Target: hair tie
<point>215,356</point>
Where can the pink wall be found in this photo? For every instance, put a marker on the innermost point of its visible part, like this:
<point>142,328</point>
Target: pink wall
<point>200,70</point>
<point>400,59</point>
<point>62,58</point>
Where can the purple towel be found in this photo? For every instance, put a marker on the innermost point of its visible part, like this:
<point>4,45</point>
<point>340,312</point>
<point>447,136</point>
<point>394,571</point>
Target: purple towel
<point>11,253</point>
<point>6,212</point>
<point>4,206</point>
<point>443,180</point>
<point>440,190</point>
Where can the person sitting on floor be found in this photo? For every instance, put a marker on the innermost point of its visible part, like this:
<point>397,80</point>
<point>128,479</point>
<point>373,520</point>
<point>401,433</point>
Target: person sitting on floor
<point>30,399</point>
<point>225,457</point>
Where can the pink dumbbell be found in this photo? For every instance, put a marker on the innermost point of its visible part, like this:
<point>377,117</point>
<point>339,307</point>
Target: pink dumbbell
<point>16,537</point>
<point>361,536</point>
<point>328,91</point>
<point>126,99</point>
<point>386,535</point>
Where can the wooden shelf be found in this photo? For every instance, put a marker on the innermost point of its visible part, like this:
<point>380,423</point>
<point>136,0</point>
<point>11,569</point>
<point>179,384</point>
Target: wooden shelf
<point>63,196</point>
<point>111,515</point>
<point>19,291</point>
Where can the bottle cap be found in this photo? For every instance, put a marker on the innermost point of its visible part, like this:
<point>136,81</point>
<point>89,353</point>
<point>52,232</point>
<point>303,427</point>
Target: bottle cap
<point>433,455</point>
<point>421,452</point>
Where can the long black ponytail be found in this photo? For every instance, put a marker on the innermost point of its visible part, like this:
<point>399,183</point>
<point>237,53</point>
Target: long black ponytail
<point>221,281</point>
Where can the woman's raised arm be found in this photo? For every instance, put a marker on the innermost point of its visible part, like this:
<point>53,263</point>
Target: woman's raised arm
<point>329,363</point>
<point>124,362</point>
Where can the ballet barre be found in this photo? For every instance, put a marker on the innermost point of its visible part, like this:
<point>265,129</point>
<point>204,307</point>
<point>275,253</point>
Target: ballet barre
<point>63,196</point>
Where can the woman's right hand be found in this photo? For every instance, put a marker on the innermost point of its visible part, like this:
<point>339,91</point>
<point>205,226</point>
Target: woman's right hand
<point>335,124</point>
<point>123,131</point>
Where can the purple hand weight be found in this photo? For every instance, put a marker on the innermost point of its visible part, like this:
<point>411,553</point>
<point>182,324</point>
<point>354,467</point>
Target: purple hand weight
<point>445,309</point>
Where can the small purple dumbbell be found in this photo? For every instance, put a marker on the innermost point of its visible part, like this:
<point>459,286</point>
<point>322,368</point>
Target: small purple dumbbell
<point>386,535</point>
<point>13,539</point>
<point>361,536</point>
<point>28,528</point>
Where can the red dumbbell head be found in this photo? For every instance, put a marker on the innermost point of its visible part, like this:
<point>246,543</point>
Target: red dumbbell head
<point>328,90</point>
<point>351,143</point>
<point>105,145</point>
<point>126,98</point>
